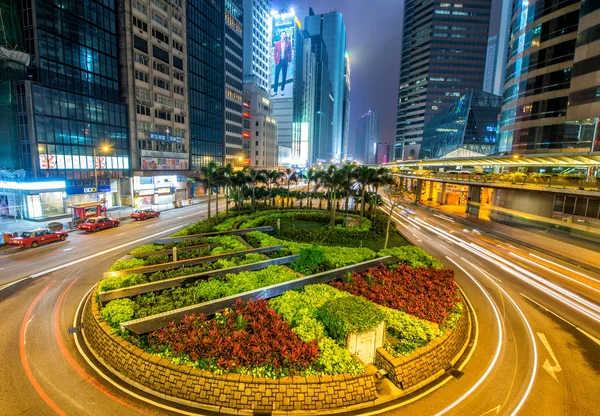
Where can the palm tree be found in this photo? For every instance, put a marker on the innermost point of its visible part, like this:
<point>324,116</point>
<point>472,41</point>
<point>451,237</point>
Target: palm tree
<point>238,182</point>
<point>208,174</point>
<point>334,180</point>
<point>227,174</point>
<point>394,196</point>
<point>294,177</point>
<point>271,179</point>
<point>382,178</point>
<point>254,178</point>
<point>221,179</point>
<point>364,176</point>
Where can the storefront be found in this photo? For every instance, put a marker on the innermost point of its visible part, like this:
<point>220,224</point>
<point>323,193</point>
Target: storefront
<point>32,199</point>
<point>159,190</point>
<point>81,195</point>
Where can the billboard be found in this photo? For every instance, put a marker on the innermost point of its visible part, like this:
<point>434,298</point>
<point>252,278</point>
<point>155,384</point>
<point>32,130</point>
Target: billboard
<point>164,163</point>
<point>283,57</point>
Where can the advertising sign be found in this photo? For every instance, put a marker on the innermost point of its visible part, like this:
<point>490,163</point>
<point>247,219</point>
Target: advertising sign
<point>282,55</point>
<point>165,137</point>
<point>48,161</point>
<point>76,190</point>
<point>163,163</point>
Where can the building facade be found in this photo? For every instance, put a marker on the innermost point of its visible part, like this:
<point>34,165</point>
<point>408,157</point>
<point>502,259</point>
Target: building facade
<point>330,26</point>
<point>491,58</point>
<point>443,55</point>
<point>466,128</point>
<point>263,128</point>
<point>346,109</point>
<point>322,148</point>
<point>367,138</point>
<point>68,107</point>
<point>153,60</point>
<point>234,86</point>
<point>257,41</point>
<point>551,86</point>
<point>206,81</point>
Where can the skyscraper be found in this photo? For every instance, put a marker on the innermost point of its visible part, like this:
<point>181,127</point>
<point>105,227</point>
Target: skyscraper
<point>234,86</point>
<point>346,109</point>
<point>443,55</point>
<point>257,40</point>
<point>367,138</point>
<point>71,122</point>
<point>330,26</point>
<point>491,57</point>
<point>152,49</point>
<point>502,47</point>
<point>263,127</point>
<point>206,80</point>
<point>323,104</point>
<point>551,88</point>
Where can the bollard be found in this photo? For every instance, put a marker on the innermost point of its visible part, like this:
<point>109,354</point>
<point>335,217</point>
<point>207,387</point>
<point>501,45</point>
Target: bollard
<point>174,253</point>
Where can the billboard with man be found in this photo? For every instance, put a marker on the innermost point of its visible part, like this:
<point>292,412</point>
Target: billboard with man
<point>283,55</point>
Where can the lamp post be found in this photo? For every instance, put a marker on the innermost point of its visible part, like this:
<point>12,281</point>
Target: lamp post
<point>105,149</point>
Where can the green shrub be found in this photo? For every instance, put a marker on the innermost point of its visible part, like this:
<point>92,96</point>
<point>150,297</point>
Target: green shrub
<point>117,311</point>
<point>344,315</point>
<point>335,359</point>
<point>454,317</point>
<point>312,260</point>
<point>206,290</point>
<point>146,248</point>
<point>413,256</point>
<point>410,332</point>
<point>119,282</point>
<point>345,256</point>
<point>228,223</point>
<point>127,264</point>
<point>229,243</point>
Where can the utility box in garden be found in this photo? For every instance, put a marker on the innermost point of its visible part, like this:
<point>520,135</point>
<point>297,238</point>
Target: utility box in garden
<point>364,344</point>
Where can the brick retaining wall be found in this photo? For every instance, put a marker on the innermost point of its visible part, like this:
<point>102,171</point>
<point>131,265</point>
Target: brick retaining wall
<point>429,362</point>
<point>207,390</point>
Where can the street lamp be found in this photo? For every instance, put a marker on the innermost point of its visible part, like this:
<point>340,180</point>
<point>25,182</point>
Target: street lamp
<point>105,149</point>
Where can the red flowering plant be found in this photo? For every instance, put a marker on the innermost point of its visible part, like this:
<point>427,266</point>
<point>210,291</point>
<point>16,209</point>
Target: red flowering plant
<point>250,335</point>
<point>429,294</point>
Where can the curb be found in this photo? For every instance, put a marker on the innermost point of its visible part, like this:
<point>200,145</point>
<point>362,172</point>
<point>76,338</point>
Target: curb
<point>559,256</point>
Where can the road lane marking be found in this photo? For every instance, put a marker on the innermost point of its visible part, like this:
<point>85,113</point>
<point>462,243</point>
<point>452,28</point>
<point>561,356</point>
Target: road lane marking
<point>74,365</point>
<point>7,285</point>
<point>593,338</point>
<point>494,409</point>
<point>23,354</point>
<point>533,344</point>
<point>498,346</point>
<point>551,369</point>
<point>68,249</point>
<point>118,235</point>
<point>26,326</point>
<point>101,253</point>
<point>110,380</point>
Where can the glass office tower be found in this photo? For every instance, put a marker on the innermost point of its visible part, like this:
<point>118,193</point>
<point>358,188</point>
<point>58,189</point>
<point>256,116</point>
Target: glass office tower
<point>443,55</point>
<point>466,128</point>
<point>70,108</point>
<point>551,88</point>
<point>206,80</point>
<point>330,26</point>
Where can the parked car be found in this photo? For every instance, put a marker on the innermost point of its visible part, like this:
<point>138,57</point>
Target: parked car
<point>144,214</point>
<point>36,237</point>
<point>97,224</point>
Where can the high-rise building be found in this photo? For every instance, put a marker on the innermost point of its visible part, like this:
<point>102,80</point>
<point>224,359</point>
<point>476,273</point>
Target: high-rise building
<point>152,48</point>
<point>263,127</point>
<point>443,54</point>
<point>71,123</point>
<point>551,86</point>
<point>330,26</point>
<point>288,51</point>
<point>206,80</point>
<point>367,138</point>
<point>346,109</point>
<point>466,128</point>
<point>491,57</point>
<point>257,40</point>
<point>502,48</point>
<point>323,104</point>
<point>234,86</point>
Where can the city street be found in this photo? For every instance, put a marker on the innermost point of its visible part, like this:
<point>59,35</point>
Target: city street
<point>536,345</point>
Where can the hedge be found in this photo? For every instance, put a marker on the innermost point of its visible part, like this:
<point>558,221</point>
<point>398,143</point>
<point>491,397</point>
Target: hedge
<point>413,256</point>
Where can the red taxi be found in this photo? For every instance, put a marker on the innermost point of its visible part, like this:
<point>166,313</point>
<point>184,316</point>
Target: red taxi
<point>36,237</point>
<point>144,214</point>
<point>97,224</point>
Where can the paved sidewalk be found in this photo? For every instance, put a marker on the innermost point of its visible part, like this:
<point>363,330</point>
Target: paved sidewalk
<point>570,249</point>
<point>120,212</point>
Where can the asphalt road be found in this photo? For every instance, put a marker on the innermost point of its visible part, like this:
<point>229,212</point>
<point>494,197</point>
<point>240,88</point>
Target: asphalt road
<point>43,372</point>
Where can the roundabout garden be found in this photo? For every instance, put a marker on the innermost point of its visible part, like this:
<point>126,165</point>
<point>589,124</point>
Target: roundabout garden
<point>278,310</point>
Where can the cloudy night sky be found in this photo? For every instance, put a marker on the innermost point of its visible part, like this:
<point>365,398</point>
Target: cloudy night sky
<point>374,32</point>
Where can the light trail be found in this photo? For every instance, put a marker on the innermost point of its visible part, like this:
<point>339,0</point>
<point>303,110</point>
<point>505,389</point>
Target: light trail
<point>555,272</point>
<point>564,267</point>
<point>498,346</point>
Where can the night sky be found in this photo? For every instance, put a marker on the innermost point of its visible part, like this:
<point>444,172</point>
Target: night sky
<point>374,31</point>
